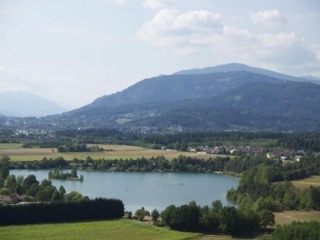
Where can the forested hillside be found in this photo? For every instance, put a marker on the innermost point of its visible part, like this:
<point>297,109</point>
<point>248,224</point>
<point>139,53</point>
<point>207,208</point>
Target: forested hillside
<point>214,101</point>
<point>237,98</point>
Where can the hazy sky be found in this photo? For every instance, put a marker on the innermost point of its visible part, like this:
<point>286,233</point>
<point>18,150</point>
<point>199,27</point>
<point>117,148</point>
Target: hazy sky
<point>73,51</point>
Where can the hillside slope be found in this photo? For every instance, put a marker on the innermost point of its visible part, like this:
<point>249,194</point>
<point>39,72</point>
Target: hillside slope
<point>180,87</point>
<point>211,101</point>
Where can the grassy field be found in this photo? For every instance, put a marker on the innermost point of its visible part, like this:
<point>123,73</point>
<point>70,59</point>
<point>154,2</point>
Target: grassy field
<point>111,230</point>
<point>115,229</point>
<point>18,153</point>
<point>4,146</point>
<point>126,229</point>
<point>307,182</point>
<point>286,217</point>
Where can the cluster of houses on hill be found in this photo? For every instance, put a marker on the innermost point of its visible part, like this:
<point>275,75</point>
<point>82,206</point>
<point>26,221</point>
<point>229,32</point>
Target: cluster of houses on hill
<point>248,150</point>
<point>284,155</point>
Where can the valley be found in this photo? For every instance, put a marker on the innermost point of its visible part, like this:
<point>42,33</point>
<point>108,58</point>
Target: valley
<point>231,97</point>
<point>167,141</point>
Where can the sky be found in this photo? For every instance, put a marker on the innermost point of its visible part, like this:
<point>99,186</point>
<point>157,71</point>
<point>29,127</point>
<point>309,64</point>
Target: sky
<point>74,51</point>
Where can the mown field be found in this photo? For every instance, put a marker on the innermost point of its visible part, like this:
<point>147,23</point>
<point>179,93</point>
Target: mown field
<point>5,146</point>
<point>115,229</point>
<point>307,182</point>
<point>18,153</point>
<point>286,217</point>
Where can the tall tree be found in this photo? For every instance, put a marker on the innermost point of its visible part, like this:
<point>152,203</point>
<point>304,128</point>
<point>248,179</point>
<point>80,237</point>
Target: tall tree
<point>155,215</point>
<point>266,217</point>
<point>4,169</point>
<point>141,213</point>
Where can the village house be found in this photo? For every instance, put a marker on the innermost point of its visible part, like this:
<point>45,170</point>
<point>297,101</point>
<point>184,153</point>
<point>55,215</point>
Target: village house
<point>10,199</point>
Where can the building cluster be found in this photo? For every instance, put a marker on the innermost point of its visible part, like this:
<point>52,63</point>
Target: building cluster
<point>284,155</point>
<point>247,150</point>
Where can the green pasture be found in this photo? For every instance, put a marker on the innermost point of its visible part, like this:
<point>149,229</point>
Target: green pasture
<point>115,229</point>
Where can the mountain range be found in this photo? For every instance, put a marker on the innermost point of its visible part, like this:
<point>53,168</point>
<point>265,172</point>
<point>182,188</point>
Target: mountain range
<point>226,97</point>
<point>25,104</point>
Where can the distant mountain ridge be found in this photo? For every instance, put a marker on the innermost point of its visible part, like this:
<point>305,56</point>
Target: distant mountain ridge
<point>226,97</point>
<point>24,104</point>
<point>179,87</point>
<point>312,78</point>
<point>235,67</point>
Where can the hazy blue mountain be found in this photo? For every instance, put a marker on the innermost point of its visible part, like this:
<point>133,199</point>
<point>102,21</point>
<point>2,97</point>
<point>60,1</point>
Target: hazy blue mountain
<point>311,78</point>
<point>235,100</point>
<point>179,87</point>
<point>234,67</point>
<point>24,104</point>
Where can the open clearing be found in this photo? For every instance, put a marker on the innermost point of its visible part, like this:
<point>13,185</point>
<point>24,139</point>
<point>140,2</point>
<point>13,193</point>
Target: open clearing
<point>114,229</point>
<point>307,182</point>
<point>17,153</point>
<point>286,217</point>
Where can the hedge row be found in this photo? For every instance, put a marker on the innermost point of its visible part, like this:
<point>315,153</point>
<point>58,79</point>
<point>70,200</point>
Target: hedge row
<point>96,209</point>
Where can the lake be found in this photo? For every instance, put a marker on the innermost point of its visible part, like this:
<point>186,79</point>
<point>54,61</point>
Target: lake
<point>148,190</point>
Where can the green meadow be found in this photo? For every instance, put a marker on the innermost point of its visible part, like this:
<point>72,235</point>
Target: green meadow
<point>113,229</point>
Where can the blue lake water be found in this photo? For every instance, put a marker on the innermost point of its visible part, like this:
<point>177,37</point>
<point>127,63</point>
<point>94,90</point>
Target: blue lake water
<point>150,190</point>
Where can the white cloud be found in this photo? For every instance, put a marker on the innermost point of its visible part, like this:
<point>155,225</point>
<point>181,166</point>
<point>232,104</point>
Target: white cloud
<point>268,18</point>
<point>117,2</point>
<point>171,28</point>
<point>316,49</point>
<point>158,4</point>
<point>203,31</point>
<point>285,48</point>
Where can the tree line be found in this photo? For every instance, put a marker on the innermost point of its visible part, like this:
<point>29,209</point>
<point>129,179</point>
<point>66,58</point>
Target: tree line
<point>96,209</point>
<point>215,219</point>
<point>307,166</point>
<point>64,145</point>
<point>32,189</point>
<point>309,142</point>
<point>297,230</point>
<point>35,191</point>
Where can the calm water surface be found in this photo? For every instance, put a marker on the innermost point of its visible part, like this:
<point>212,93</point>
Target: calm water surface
<point>150,190</point>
